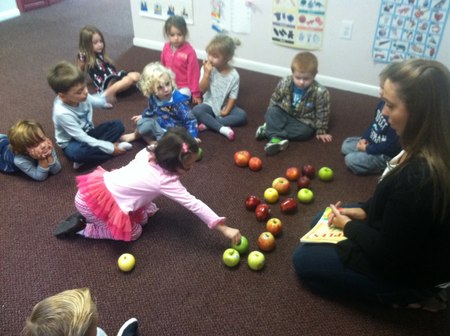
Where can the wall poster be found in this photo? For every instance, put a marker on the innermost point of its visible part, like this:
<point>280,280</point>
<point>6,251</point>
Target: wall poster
<point>232,16</point>
<point>162,9</point>
<point>298,23</point>
<point>409,29</point>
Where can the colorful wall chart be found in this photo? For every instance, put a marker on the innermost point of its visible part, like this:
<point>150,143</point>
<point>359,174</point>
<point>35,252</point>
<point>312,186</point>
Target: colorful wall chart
<point>298,23</point>
<point>409,29</point>
<point>162,9</point>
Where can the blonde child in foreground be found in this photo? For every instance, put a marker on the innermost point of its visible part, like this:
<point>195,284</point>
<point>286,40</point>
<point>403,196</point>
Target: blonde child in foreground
<point>28,149</point>
<point>116,204</point>
<point>179,56</point>
<point>70,313</point>
<point>298,109</point>
<point>93,59</point>
<point>220,86</point>
<point>167,107</point>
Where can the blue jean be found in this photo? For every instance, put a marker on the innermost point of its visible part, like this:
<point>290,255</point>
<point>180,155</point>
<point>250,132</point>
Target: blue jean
<point>149,129</point>
<point>280,124</point>
<point>321,269</point>
<point>206,116</point>
<point>81,152</point>
<point>361,163</point>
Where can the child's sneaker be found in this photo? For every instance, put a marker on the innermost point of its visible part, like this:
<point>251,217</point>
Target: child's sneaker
<point>261,132</point>
<point>129,328</point>
<point>77,165</point>
<point>275,146</point>
<point>70,226</point>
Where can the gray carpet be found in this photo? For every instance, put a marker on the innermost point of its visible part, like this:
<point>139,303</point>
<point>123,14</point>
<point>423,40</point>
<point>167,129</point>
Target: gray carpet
<point>180,285</point>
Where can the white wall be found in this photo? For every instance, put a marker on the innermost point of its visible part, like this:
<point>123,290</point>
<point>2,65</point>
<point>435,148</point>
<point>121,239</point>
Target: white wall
<point>344,64</point>
<point>8,9</point>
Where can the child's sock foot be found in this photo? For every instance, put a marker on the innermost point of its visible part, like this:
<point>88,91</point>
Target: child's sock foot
<point>202,127</point>
<point>228,132</point>
<point>125,145</point>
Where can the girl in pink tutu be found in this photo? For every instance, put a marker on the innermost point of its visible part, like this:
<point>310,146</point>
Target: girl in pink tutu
<point>116,204</point>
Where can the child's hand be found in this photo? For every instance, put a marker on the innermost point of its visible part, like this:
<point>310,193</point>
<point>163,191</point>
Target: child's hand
<point>361,145</point>
<point>207,66</point>
<point>233,234</point>
<point>198,140</point>
<point>136,118</point>
<point>196,100</point>
<point>325,137</point>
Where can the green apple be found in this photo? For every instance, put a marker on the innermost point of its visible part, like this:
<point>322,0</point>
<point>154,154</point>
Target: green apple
<point>271,195</point>
<point>242,247</point>
<point>305,195</point>
<point>126,262</point>
<point>199,154</point>
<point>231,257</point>
<point>326,174</point>
<point>256,260</point>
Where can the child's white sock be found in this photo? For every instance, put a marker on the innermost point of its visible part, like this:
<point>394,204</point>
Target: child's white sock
<point>228,132</point>
<point>125,145</point>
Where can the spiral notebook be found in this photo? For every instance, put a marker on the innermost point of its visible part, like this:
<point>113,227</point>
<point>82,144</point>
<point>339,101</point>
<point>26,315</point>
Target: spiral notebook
<point>322,232</point>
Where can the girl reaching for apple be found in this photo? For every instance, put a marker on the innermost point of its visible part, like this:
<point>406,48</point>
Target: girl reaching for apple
<point>116,204</point>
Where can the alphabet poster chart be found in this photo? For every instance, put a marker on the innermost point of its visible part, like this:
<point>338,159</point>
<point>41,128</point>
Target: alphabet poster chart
<point>232,16</point>
<point>409,29</point>
<point>162,9</point>
<point>298,23</point>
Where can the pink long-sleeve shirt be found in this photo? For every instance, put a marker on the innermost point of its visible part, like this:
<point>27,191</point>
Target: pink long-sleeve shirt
<point>184,63</point>
<point>137,184</point>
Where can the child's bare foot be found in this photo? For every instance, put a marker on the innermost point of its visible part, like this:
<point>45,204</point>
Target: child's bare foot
<point>129,137</point>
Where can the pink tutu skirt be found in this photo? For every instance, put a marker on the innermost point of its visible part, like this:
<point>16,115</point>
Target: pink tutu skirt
<point>103,205</point>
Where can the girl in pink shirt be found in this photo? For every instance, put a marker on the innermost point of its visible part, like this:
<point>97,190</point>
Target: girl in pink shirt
<point>116,204</point>
<point>179,56</point>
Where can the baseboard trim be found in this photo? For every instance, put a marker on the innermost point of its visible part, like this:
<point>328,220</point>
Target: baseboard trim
<point>278,71</point>
<point>9,14</point>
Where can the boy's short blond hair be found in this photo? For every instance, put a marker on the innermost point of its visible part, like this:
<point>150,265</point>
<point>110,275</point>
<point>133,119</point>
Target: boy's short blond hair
<point>63,76</point>
<point>151,77</point>
<point>305,62</point>
<point>69,313</point>
<point>25,134</point>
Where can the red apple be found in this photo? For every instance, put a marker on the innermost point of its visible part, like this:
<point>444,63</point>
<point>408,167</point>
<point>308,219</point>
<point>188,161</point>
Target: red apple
<point>281,184</point>
<point>255,163</point>
<point>241,158</point>
<point>262,212</point>
<point>303,182</point>
<point>292,173</point>
<point>288,206</point>
<point>251,202</point>
<point>274,226</point>
<point>309,171</point>
<point>266,241</point>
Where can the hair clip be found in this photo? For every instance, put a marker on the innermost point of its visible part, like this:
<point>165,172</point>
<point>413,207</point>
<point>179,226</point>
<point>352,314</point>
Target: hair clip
<point>185,147</point>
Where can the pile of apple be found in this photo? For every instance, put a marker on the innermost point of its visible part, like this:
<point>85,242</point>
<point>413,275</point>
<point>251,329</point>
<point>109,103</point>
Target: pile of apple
<point>244,159</point>
<point>280,186</point>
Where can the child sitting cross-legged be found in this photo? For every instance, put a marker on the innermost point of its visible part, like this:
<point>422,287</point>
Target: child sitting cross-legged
<point>167,107</point>
<point>298,109</point>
